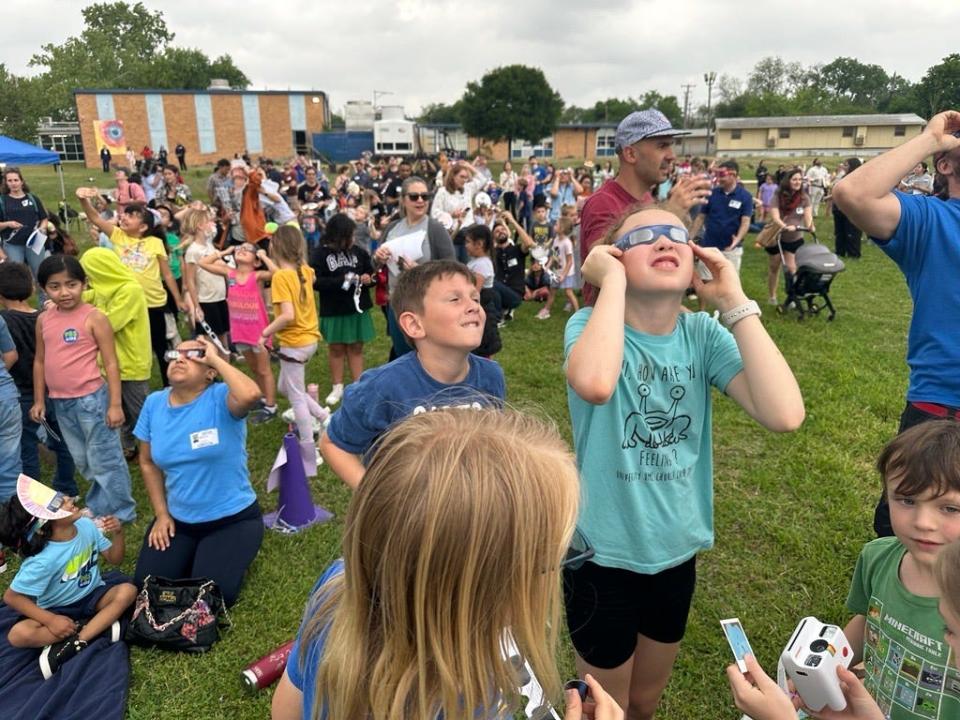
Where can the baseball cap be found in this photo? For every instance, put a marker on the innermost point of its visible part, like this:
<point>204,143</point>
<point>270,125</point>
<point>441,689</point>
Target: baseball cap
<point>644,124</point>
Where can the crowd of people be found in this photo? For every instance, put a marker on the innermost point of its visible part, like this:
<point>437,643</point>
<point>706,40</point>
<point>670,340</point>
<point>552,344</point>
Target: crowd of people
<point>471,526</point>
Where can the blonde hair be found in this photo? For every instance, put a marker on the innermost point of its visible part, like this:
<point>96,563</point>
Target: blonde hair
<point>192,221</point>
<point>564,226</point>
<point>288,245</point>
<point>947,571</point>
<point>455,534</point>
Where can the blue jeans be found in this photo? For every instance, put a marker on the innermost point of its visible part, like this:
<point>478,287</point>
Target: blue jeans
<point>96,451</point>
<point>10,467</point>
<point>23,254</point>
<point>63,480</point>
<point>509,299</point>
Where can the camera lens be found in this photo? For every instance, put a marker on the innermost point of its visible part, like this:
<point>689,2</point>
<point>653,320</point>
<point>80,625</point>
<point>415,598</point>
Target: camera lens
<point>819,645</point>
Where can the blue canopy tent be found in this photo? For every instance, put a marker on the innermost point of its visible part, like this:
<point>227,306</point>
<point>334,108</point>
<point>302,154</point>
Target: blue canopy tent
<point>15,152</point>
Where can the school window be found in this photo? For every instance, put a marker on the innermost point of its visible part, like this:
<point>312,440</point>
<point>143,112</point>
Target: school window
<point>783,133</point>
<point>606,142</point>
<point>69,147</point>
<point>524,150</point>
<point>848,131</point>
<point>900,131</point>
<point>736,134</point>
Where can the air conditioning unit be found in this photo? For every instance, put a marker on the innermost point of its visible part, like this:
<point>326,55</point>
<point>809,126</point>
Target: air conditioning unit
<point>858,140</point>
<point>771,142</point>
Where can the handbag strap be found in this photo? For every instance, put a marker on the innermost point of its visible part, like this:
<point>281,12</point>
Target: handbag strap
<point>144,602</point>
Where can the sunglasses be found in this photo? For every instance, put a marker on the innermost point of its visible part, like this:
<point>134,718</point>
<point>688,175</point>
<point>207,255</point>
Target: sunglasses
<point>416,197</point>
<point>648,234</point>
<point>579,552</point>
<point>171,355</point>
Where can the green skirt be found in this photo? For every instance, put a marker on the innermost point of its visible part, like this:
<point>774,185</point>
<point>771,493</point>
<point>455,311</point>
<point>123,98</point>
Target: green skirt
<point>347,329</point>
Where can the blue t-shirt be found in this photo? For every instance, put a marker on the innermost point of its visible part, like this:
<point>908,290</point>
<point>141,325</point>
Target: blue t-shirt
<point>723,212</point>
<point>926,248</point>
<point>387,394</point>
<point>302,666</point>
<point>565,196</point>
<point>646,456</point>
<point>201,449</point>
<point>8,388</point>
<point>63,572</point>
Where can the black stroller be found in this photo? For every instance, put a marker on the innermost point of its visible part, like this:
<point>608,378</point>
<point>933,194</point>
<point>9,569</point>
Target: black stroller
<point>816,269</point>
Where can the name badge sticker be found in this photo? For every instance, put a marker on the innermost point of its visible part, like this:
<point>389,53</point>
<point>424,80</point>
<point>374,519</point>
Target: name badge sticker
<point>204,438</point>
<point>512,262</point>
<point>735,204</point>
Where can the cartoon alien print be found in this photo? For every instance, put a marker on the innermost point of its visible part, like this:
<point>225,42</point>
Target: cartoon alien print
<point>654,428</point>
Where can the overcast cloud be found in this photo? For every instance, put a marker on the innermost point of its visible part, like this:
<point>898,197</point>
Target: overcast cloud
<point>427,50</point>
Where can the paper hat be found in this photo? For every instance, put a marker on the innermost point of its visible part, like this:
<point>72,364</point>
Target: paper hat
<point>39,500</point>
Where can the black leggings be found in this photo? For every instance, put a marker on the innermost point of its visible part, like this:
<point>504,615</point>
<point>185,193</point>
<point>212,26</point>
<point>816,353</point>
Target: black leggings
<point>158,338</point>
<point>220,550</point>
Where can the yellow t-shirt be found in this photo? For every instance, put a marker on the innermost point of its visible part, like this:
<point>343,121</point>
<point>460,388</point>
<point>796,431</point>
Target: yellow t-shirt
<point>285,287</point>
<point>140,255</point>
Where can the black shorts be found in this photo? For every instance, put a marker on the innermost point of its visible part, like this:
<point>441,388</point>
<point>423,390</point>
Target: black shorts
<point>217,317</point>
<point>788,247</point>
<point>608,607</point>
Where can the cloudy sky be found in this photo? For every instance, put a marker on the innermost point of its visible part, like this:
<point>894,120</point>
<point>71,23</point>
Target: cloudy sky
<point>427,50</point>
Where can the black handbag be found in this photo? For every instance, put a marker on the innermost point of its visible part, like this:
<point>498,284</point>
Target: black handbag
<point>184,615</point>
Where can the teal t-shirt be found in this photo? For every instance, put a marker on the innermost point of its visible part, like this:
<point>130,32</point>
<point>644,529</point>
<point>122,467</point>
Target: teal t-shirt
<point>910,672</point>
<point>646,456</point>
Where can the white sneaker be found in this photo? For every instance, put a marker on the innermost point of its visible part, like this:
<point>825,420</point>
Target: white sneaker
<point>543,314</point>
<point>318,424</point>
<point>772,301</point>
<point>334,397</point>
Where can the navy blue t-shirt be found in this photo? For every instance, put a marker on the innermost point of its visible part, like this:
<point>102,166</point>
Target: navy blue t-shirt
<point>723,212</point>
<point>389,393</point>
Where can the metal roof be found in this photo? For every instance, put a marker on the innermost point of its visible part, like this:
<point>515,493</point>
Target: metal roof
<point>819,121</point>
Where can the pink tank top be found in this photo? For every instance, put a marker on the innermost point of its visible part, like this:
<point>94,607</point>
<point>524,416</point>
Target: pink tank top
<point>70,353</point>
<point>248,315</point>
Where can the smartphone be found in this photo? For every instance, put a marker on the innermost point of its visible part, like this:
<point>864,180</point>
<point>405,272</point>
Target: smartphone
<point>737,638</point>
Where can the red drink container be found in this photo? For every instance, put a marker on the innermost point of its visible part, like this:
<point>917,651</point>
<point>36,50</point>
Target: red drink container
<point>268,669</point>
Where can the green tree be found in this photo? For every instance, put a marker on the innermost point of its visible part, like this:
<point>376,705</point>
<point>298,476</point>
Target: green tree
<point>123,45</point>
<point>510,103</point>
<point>862,85</point>
<point>21,104</point>
<point>441,113</point>
<point>940,88</point>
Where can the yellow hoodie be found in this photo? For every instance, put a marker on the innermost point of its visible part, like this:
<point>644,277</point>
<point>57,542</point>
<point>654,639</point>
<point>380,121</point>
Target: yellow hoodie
<point>116,292</point>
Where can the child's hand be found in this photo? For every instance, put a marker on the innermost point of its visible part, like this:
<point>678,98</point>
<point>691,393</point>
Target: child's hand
<point>860,706</point>
<point>110,524</point>
<point>755,694</point>
<point>600,706</point>
<point>38,412</point>
<point>114,416</point>
<point>602,262</point>
<point>724,292</point>
<point>163,529</point>
<point>61,627</point>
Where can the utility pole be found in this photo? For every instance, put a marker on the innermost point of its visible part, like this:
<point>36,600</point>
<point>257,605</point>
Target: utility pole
<point>709,78</point>
<point>686,110</point>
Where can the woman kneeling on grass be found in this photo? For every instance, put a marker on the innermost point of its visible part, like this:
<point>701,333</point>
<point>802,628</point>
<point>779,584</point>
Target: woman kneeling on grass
<point>456,535</point>
<point>193,458</point>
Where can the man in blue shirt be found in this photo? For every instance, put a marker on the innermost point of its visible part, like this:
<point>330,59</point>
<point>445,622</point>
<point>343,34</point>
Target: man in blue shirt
<point>921,234</point>
<point>726,217</point>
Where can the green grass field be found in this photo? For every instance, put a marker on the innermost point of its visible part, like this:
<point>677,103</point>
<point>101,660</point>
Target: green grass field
<point>792,511</point>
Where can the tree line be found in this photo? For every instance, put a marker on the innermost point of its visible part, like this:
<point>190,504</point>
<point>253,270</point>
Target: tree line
<point>121,46</point>
<point>774,87</point>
